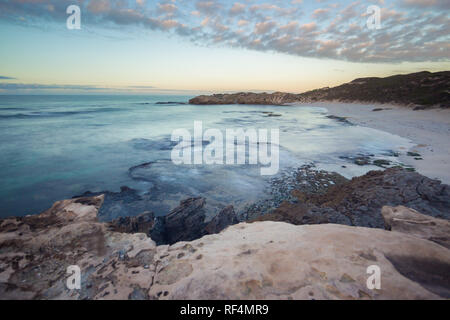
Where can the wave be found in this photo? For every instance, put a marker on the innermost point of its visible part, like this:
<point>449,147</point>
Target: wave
<point>42,114</point>
<point>172,103</point>
<point>11,109</point>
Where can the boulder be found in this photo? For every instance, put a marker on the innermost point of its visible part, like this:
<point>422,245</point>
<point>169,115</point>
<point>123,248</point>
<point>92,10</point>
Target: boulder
<point>186,222</point>
<point>143,223</point>
<point>409,221</point>
<point>224,218</point>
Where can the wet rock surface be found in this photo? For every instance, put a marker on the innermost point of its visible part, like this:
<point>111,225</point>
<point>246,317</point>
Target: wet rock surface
<point>304,196</point>
<point>126,203</point>
<point>225,218</point>
<point>143,223</point>
<point>185,223</point>
<point>358,202</point>
<point>306,178</point>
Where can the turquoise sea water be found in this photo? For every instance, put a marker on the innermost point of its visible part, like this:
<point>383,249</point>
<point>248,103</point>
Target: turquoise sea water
<point>56,147</point>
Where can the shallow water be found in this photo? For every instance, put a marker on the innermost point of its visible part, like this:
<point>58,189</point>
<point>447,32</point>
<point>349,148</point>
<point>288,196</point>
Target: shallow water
<point>55,147</point>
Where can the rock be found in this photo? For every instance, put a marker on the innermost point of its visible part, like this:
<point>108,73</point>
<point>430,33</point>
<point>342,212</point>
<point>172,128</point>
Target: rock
<point>270,260</point>
<point>262,260</point>
<point>381,163</point>
<point>158,232</point>
<point>224,218</point>
<point>409,221</point>
<point>359,201</point>
<point>142,223</point>
<point>35,252</point>
<point>186,222</point>
<point>170,102</point>
<point>362,161</point>
<point>300,213</point>
<point>126,203</point>
<point>287,187</point>
<point>418,91</point>
<point>245,98</point>
<point>413,154</point>
<point>340,119</point>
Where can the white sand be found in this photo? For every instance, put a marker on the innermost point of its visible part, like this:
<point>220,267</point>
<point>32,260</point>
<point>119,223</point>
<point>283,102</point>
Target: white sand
<point>428,129</point>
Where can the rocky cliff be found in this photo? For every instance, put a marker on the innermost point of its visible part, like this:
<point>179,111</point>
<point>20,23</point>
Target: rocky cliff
<point>262,260</point>
<point>417,90</point>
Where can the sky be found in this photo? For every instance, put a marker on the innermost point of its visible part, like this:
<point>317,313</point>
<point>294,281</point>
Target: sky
<point>203,46</point>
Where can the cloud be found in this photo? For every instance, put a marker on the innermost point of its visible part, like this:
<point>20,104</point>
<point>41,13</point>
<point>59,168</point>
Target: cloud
<point>55,88</point>
<point>411,30</point>
<point>7,78</point>
<point>35,86</point>
<point>320,14</point>
<point>142,87</point>
<point>237,8</point>
<point>208,7</point>
<point>168,8</point>
<point>264,27</point>
<point>443,4</point>
<point>99,6</point>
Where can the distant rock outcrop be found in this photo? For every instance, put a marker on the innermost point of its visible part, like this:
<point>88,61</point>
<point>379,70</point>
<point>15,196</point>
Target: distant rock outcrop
<point>264,260</point>
<point>417,90</point>
<point>276,98</point>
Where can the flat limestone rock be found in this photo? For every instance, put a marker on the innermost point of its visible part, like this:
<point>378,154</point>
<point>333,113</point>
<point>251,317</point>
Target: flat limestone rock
<point>411,222</point>
<point>261,260</point>
<point>275,260</point>
<point>36,251</point>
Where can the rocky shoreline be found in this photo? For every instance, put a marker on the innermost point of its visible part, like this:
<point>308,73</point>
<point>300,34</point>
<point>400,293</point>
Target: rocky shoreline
<point>259,260</point>
<point>358,201</point>
<point>315,197</point>
<point>148,257</point>
<point>416,90</point>
<point>305,195</point>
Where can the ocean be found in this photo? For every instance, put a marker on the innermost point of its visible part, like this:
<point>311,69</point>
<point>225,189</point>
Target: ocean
<point>56,147</point>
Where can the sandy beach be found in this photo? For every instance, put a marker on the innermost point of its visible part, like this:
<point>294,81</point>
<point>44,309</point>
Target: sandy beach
<point>429,130</point>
